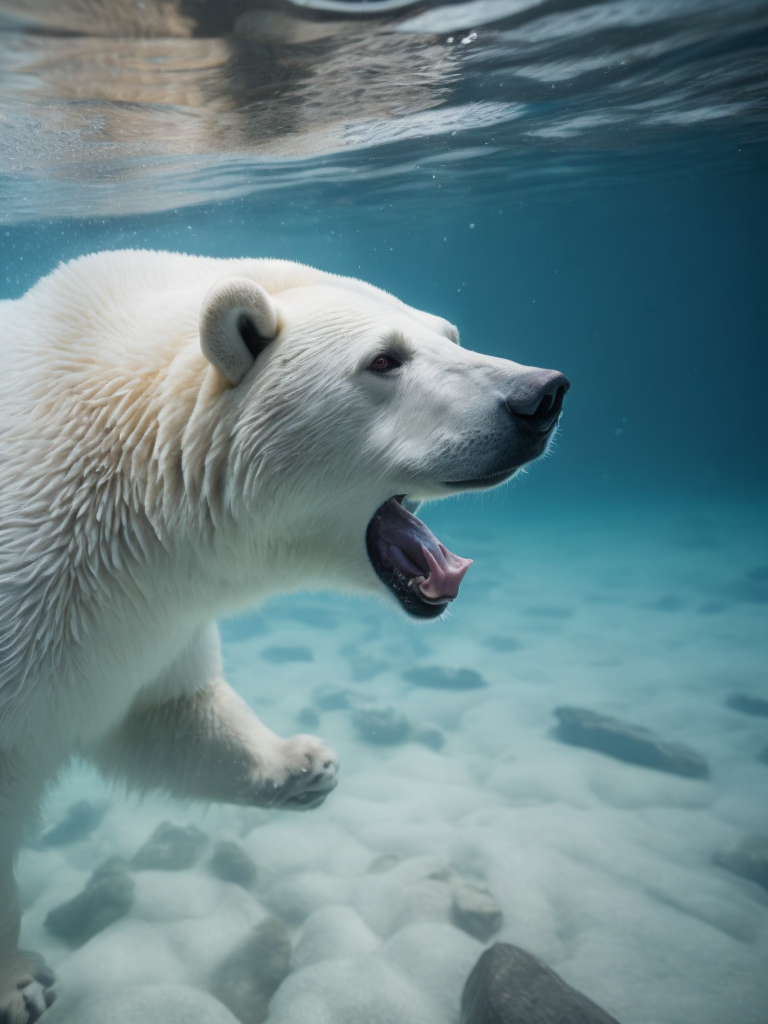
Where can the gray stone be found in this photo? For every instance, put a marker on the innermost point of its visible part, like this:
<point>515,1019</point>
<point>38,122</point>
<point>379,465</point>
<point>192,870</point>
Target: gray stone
<point>384,726</point>
<point>438,678</point>
<point>107,896</point>
<point>749,860</point>
<point>278,655</point>
<point>145,1004</point>
<point>249,977</point>
<point>332,698</point>
<point>476,911</point>
<point>748,703</point>
<point>78,822</point>
<point>431,736</point>
<point>584,728</point>
<point>170,848</point>
<point>509,986</point>
<point>308,717</point>
<point>498,642</point>
<point>231,863</point>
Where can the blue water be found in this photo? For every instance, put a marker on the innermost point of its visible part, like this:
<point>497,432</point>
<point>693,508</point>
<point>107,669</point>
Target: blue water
<point>575,186</point>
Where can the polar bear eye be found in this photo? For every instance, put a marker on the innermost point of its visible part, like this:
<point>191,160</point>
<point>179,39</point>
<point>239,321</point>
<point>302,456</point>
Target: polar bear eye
<point>384,362</point>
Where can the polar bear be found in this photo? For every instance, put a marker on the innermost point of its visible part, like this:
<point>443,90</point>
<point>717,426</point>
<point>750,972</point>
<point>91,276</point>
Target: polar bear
<point>181,437</point>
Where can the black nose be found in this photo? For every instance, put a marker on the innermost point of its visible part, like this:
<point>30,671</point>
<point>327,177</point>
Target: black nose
<point>535,399</point>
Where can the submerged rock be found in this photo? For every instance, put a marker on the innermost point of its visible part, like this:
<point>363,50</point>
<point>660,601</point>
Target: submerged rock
<point>498,642</point>
<point>308,717</point>
<point>476,911</point>
<point>749,860</point>
<point>79,821</point>
<point>509,986</point>
<point>438,678</point>
<point>383,862</point>
<point>332,698</point>
<point>170,848</point>
<point>430,736</point>
<point>249,977</point>
<point>107,896</point>
<point>632,743</point>
<point>385,726</point>
<point>231,863</point>
<point>747,703</point>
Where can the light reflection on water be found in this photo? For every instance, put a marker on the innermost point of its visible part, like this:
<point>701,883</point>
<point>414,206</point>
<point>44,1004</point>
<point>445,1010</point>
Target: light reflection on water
<point>147,107</point>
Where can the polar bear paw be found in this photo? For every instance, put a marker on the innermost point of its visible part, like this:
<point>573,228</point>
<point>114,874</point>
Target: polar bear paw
<point>25,987</point>
<point>301,777</point>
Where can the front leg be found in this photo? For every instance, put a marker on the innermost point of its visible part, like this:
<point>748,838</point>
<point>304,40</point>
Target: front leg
<point>209,745</point>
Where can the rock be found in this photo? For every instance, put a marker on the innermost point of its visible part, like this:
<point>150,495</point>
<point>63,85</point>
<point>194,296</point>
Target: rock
<point>749,860</point>
<point>431,736</point>
<point>332,698</point>
<point>308,717</point>
<point>231,863</point>
<point>476,911</point>
<point>170,848</point>
<point>145,1004</point>
<point>438,678</point>
<point>249,977</point>
<point>383,862</point>
<point>509,986</point>
<point>78,822</point>
<point>747,703</point>
<point>384,726</point>
<point>278,655</point>
<point>584,728</point>
<point>107,896</point>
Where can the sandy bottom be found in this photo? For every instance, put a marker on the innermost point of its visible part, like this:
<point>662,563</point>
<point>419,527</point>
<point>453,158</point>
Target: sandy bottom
<point>602,869</point>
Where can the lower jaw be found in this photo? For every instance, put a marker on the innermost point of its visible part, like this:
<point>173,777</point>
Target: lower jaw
<point>483,483</point>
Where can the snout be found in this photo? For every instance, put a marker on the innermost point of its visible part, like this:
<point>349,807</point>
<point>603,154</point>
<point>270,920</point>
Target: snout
<point>535,400</point>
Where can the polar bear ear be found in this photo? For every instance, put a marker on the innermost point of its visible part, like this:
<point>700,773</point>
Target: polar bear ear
<point>238,319</point>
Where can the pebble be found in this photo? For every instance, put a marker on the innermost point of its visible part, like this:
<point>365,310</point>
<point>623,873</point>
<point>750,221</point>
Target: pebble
<point>384,726</point>
<point>438,678</point>
<point>631,743</point>
<point>107,896</point>
<point>509,986</point>
<point>170,848</point>
<point>249,977</point>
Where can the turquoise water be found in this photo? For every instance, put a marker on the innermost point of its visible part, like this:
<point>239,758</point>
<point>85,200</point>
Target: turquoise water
<point>574,186</point>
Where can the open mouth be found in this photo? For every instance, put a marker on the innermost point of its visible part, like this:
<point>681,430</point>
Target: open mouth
<point>411,562</point>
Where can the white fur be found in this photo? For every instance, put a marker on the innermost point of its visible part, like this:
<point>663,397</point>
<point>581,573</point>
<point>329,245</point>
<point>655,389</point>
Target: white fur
<point>142,495</point>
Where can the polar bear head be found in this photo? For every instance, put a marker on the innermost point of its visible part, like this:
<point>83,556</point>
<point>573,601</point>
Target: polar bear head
<point>348,408</point>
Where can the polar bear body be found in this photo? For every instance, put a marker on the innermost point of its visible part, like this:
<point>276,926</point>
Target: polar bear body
<point>181,437</point>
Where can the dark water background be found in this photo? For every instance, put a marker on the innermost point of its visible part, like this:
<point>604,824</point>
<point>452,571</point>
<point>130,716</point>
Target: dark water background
<point>652,295</point>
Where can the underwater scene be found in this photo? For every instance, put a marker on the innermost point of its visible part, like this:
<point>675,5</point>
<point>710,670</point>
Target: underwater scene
<point>552,798</point>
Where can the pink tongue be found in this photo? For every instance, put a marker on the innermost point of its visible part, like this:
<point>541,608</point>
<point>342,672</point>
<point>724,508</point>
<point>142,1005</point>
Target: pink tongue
<point>407,543</point>
<point>446,571</point>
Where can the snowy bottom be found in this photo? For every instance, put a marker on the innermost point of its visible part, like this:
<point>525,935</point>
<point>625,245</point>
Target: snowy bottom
<point>601,868</point>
